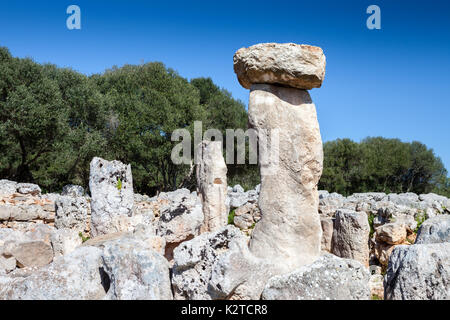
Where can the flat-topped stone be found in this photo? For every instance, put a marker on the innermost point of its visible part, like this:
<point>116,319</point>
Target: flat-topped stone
<point>288,64</point>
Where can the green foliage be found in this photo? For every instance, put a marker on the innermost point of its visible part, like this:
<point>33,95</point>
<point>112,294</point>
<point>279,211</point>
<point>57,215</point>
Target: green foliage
<point>376,297</point>
<point>83,238</point>
<point>381,165</point>
<point>119,184</point>
<point>231,217</point>
<point>420,218</point>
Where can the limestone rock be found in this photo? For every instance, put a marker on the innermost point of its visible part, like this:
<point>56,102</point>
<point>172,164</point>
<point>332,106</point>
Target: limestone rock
<point>32,253</point>
<point>376,286</point>
<point>289,232</point>
<point>7,187</point>
<point>136,271</point>
<point>327,233</point>
<point>181,218</point>
<point>194,260</point>
<point>77,276</point>
<point>73,191</point>
<point>28,188</point>
<point>212,185</point>
<point>111,187</point>
<point>351,236</point>
<point>383,251</point>
<point>392,233</point>
<point>289,64</point>
<point>238,275</point>
<point>65,241</point>
<point>72,213</point>
<point>419,272</point>
<point>434,230</point>
<point>7,264</point>
<point>328,278</point>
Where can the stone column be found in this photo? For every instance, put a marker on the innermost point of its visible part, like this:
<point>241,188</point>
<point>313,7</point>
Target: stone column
<point>212,185</point>
<point>289,233</point>
<point>111,186</point>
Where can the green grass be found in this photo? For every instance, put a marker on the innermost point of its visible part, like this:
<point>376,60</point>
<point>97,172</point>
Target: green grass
<point>231,217</point>
<point>376,297</point>
<point>119,184</point>
<point>420,219</point>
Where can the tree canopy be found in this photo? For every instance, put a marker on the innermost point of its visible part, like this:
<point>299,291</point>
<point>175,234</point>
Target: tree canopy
<point>383,165</point>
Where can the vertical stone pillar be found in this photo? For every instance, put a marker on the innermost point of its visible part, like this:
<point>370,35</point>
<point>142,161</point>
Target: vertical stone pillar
<point>289,233</point>
<point>212,185</point>
<point>111,186</point>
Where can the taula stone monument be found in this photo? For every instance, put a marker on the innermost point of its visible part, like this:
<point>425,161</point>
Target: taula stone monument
<point>278,76</point>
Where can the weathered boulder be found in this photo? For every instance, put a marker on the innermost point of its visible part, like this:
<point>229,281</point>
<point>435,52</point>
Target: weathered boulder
<point>383,251</point>
<point>111,187</point>
<point>32,253</point>
<point>7,264</point>
<point>181,218</point>
<point>28,188</point>
<point>237,197</point>
<point>194,260</point>
<point>392,233</point>
<point>327,233</point>
<point>238,275</point>
<point>289,232</point>
<point>77,276</point>
<point>288,64</point>
<point>418,272</point>
<point>73,190</point>
<point>136,271</point>
<point>212,185</point>
<point>65,241</point>
<point>330,202</point>
<point>376,286</point>
<point>328,278</point>
<point>351,236</point>
<point>434,230</point>
<point>72,213</point>
<point>7,187</point>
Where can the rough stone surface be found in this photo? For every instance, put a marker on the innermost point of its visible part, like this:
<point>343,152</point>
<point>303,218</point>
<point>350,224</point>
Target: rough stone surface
<point>434,230</point>
<point>351,236</point>
<point>194,260</point>
<point>328,278</point>
<point>111,187</point>
<point>28,188</point>
<point>7,263</point>
<point>32,253</point>
<point>238,275</point>
<point>383,251</point>
<point>73,190</point>
<point>181,218</point>
<point>289,232</point>
<point>376,286</point>
<point>392,233</point>
<point>289,64</point>
<point>77,276</point>
<point>212,185</point>
<point>65,241</point>
<point>72,213</point>
<point>136,271</point>
<point>419,272</point>
<point>327,233</point>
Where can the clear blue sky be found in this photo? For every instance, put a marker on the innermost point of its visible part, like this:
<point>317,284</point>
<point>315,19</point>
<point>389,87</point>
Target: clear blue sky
<point>392,82</point>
